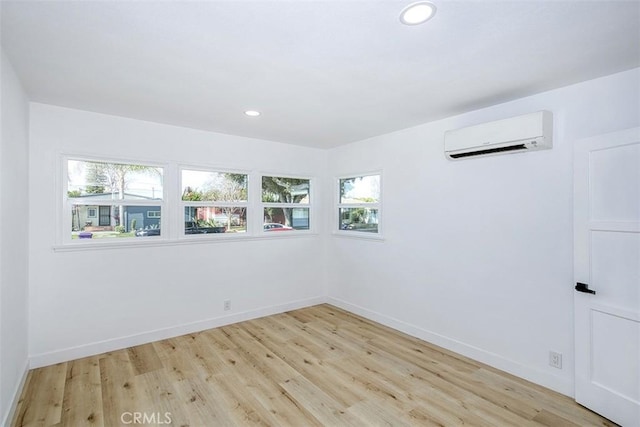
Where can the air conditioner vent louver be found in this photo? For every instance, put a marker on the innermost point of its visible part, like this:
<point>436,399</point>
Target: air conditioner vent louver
<point>528,132</point>
<point>490,151</point>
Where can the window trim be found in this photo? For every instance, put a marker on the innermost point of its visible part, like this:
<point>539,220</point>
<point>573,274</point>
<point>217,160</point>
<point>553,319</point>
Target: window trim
<point>335,223</point>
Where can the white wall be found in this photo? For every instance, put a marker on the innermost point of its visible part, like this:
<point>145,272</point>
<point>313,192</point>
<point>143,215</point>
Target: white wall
<point>14,121</point>
<point>478,254</point>
<point>85,302</point>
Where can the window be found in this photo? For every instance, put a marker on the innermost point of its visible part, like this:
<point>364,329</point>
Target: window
<point>109,200</point>
<point>285,203</point>
<point>359,204</point>
<point>130,203</point>
<point>214,202</point>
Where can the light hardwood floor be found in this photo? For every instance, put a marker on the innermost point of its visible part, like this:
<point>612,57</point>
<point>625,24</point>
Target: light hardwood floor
<point>310,367</point>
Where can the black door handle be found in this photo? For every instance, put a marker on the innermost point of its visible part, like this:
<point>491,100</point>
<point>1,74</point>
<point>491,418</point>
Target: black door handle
<point>583,287</point>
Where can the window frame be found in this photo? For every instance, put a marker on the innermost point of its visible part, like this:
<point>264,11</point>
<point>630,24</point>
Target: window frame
<point>66,203</point>
<point>172,207</point>
<point>336,223</point>
<point>182,204</point>
<point>261,206</point>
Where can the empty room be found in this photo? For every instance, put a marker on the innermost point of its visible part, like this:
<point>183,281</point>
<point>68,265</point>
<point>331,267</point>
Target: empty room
<point>320,213</point>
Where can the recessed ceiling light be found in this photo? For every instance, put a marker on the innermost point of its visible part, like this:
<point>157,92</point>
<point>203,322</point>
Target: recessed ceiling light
<point>252,113</point>
<point>417,13</point>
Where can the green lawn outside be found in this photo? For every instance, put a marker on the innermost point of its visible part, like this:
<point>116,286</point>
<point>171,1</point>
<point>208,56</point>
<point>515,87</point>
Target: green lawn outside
<point>105,235</point>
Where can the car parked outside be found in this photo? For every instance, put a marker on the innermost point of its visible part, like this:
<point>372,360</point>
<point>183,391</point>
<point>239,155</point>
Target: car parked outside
<point>148,232</point>
<point>274,226</point>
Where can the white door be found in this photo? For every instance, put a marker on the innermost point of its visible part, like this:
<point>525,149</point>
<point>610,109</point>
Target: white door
<point>607,262</point>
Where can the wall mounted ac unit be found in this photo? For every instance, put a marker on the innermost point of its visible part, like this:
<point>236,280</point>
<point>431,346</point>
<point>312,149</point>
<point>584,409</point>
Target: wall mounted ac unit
<point>521,133</point>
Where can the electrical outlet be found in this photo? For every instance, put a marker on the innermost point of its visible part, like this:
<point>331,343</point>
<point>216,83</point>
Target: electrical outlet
<point>227,305</point>
<point>555,359</point>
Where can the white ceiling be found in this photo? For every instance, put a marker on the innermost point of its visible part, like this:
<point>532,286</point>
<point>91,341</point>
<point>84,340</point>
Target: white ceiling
<point>323,73</point>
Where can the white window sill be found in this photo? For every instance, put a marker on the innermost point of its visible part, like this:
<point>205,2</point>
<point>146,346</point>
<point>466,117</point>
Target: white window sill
<point>159,242</point>
<point>359,235</point>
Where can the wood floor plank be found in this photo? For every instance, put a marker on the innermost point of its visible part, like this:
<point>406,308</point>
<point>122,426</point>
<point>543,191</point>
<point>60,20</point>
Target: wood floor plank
<point>218,339</point>
<point>160,400</point>
<point>272,360</point>
<point>301,316</point>
<point>375,413</point>
<point>559,405</point>
<point>441,412</point>
<point>119,391</point>
<point>299,360</point>
<point>318,403</point>
<point>165,348</point>
<point>550,419</point>
<point>318,366</point>
<point>144,359</point>
<point>460,377</point>
<point>241,406</point>
<point>202,354</point>
<point>180,363</point>
<point>83,393</point>
<point>42,401</point>
<point>367,384</point>
<point>495,414</point>
<point>269,394</point>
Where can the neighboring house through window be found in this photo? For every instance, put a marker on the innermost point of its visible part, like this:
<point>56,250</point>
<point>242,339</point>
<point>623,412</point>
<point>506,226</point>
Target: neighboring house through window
<point>359,203</point>
<point>108,200</point>
<point>118,199</point>
<point>214,201</point>
<point>286,203</point>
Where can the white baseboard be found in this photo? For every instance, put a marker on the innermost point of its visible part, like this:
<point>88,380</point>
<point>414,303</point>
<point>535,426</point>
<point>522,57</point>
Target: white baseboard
<point>553,382</point>
<point>16,396</point>
<point>58,356</point>
<point>556,383</point>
